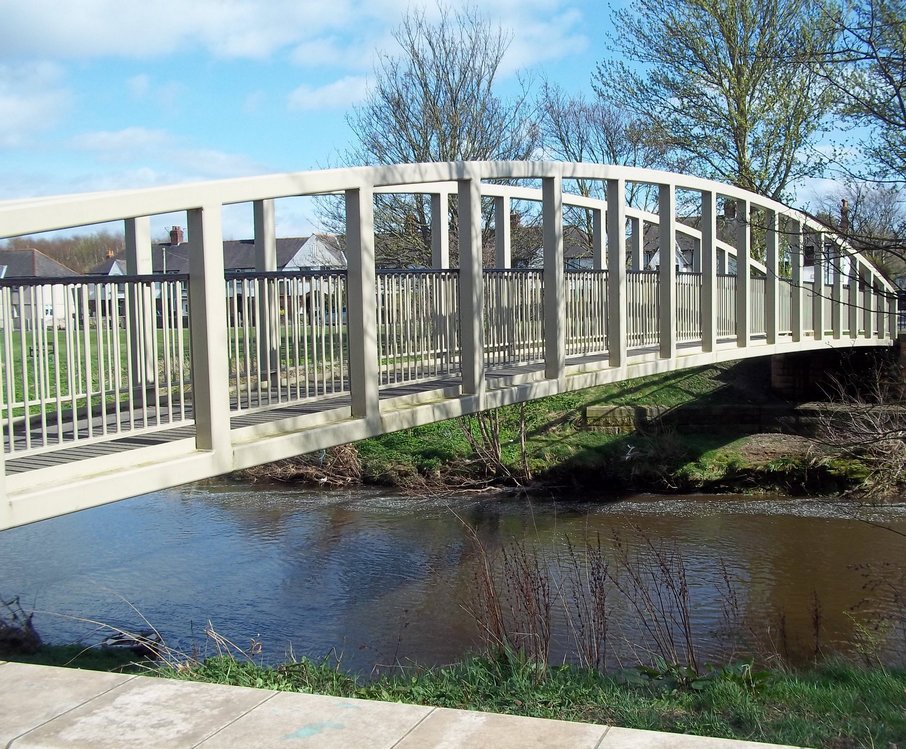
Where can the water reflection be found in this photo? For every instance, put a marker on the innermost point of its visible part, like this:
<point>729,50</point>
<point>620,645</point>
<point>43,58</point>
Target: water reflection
<point>383,579</point>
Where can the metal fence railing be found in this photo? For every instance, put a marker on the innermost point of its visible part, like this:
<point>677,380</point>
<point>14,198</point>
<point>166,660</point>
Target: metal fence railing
<point>92,357</point>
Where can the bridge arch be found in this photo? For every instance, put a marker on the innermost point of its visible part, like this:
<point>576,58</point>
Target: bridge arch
<point>149,380</point>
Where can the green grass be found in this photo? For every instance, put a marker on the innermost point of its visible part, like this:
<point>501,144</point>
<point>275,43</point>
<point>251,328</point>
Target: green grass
<point>832,705</point>
<point>77,656</point>
<point>561,451</point>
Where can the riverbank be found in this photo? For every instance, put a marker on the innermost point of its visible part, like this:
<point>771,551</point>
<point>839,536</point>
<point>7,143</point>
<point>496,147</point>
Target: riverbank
<point>552,446</point>
<point>834,704</point>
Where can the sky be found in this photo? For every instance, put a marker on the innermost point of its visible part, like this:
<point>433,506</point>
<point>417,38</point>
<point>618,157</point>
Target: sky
<point>110,94</point>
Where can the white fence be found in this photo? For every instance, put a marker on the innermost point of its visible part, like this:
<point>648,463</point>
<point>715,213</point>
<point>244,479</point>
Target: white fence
<point>89,358</point>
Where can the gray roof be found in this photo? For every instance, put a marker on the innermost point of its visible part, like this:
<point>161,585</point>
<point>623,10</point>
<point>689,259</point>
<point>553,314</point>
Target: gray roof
<point>110,266</point>
<point>238,254</point>
<point>32,264</point>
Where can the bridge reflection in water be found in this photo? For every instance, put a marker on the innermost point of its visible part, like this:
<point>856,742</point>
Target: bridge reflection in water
<point>116,386</point>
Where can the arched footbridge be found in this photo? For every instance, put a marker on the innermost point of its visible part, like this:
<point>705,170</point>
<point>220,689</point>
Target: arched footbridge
<point>113,386</point>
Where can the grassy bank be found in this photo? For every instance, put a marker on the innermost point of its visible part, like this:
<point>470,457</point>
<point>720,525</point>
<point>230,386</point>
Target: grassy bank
<point>546,445</point>
<point>832,705</point>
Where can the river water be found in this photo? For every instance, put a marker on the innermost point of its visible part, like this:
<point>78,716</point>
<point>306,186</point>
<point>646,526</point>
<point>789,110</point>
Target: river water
<point>378,578</point>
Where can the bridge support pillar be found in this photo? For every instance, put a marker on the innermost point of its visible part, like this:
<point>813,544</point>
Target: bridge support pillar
<point>772,280</point>
<point>554,290</point>
<point>853,298</point>
<point>836,261</point>
<point>503,257</point>
<point>794,230</point>
<point>708,253</point>
<point>440,231</point>
<point>268,320</point>
<point>868,298</point>
<point>818,287</point>
<point>636,244</point>
<point>141,305</point>
<point>667,271</point>
<point>210,370</point>
<point>471,286</point>
<point>361,313</point>
<point>616,272</point>
<point>598,258</point>
<point>743,272</point>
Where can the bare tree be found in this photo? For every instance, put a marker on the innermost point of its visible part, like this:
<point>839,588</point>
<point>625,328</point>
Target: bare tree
<point>435,100</point>
<point>574,128</point>
<point>725,86</point>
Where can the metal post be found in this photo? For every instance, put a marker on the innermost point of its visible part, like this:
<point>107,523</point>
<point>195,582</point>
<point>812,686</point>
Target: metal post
<point>667,271</point>
<point>636,242</point>
<point>867,303</point>
<point>208,320</point>
<point>598,258</point>
<point>616,272</point>
<point>471,286</point>
<point>709,271</point>
<point>818,293</point>
<point>743,272</point>
<point>554,288</point>
<point>440,231</point>
<point>361,306</point>
<point>142,315</point>
<point>772,278</point>
<point>503,257</point>
<point>837,292</point>
<point>891,316</point>
<point>794,229</point>
<point>266,260</point>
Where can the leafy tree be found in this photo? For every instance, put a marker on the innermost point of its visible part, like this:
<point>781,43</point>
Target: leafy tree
<point>866,71</point>
<point>435,100</point>
<point>725,86</point>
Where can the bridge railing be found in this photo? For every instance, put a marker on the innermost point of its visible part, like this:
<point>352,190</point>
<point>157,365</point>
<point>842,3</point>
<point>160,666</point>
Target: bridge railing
<point>223,345</point>
<point>417,325</point>
<point>90,358</point>
<point>287,337</point>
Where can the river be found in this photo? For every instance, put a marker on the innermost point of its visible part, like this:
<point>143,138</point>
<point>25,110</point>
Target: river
<point>378,579</point>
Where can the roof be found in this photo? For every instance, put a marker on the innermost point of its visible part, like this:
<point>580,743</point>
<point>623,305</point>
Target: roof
<point>32,264</point>
<point>238,254</point>
<point>111,266</point>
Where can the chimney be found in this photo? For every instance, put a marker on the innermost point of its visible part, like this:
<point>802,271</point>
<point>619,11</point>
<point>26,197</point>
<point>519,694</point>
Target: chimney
<point>110,254</point>
<point>844,216</point>
<point>176,236</point>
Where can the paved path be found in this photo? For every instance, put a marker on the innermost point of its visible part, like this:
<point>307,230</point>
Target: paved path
<point>47,707</point>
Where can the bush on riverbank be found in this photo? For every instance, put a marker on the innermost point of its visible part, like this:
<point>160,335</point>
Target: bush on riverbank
<point>835,704</point>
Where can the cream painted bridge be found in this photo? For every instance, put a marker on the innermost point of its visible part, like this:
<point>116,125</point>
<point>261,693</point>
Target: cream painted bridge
<point>116,386</point>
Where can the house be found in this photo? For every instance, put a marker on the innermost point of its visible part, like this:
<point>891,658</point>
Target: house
<point>34,305</point>
<point>315,252</point>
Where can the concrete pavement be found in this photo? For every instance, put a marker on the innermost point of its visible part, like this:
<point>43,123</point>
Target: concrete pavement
<point>44,707</point>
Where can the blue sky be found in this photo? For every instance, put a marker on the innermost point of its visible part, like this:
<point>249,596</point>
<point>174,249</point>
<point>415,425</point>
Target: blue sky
<point>107,94</point>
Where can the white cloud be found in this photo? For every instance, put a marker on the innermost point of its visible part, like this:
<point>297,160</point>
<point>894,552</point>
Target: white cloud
<point>124,145</point>
<point>336,95</point>
<point>541,39</point>
<point>139,29</point>
<point>160,157</point>
<point>32,99</point>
